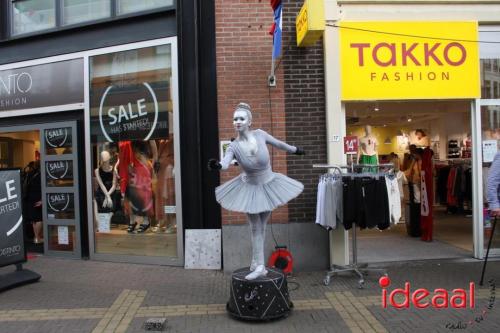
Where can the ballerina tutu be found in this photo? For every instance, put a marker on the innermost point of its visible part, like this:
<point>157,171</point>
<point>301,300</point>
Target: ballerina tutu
<point>240,194</point>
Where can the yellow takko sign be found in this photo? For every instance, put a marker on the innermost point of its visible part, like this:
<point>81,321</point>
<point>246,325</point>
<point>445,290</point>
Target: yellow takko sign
<point>310,22</point>
<point>409,60</point>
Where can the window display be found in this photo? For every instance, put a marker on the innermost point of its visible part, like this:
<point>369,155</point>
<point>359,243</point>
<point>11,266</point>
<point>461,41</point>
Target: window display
<point>133,152</point>
<point>367,153</point>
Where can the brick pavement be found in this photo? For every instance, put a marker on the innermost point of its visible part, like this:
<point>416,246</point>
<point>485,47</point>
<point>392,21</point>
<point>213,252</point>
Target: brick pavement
<point>90,296</point>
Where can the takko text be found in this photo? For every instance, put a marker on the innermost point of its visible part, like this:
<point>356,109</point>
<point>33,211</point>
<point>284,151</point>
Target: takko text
<point>404,53</point>
<point>460,298</point>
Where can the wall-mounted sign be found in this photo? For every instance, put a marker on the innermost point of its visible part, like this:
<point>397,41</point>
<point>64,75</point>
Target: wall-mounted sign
<point>60,205</point>
<point>11,218</point>
<point>310,22</point>
<point>62,235</point>
<point>409,60</point>
<point>44,85</point>
<point>131,112</point>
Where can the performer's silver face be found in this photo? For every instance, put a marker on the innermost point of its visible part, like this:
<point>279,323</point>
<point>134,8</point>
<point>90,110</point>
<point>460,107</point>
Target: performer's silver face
<point>240,121</point>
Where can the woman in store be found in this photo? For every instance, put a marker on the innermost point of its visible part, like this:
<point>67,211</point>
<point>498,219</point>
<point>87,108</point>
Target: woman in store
<point>413,174</point>
<point>34,202</point>
<point>258,190</point>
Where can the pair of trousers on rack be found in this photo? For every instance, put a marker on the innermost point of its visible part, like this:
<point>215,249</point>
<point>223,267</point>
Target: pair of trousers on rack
<point>366,202</point>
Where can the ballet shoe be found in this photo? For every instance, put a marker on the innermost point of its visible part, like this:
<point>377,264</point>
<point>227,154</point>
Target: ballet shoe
<point>259,271</point>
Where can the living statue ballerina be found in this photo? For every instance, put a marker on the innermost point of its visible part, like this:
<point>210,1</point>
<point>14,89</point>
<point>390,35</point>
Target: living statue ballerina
<point>258,190</point>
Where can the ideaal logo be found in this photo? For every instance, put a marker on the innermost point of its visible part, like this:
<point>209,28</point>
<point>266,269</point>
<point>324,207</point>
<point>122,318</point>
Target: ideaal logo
<point>120,121</point>
<point>460,298</point>
<point>440,299</point>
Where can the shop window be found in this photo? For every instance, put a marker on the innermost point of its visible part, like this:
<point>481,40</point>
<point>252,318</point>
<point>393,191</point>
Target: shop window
<point>77,11</point>
<point>132,6</point>
<point>133,152</point>
<point>33,15</point>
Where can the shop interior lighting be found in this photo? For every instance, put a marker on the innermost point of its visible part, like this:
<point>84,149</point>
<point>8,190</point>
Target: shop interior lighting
<point>409,119</point>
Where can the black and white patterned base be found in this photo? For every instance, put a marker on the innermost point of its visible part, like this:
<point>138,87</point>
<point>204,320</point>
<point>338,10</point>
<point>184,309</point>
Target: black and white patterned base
<point>264,298</point>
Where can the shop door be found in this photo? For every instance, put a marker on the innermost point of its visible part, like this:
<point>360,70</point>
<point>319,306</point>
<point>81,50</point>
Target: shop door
<point>490,136</point>
<point>60,189</point>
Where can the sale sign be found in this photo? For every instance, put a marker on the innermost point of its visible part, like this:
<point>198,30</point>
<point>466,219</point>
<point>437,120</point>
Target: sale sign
<point>351,144</point>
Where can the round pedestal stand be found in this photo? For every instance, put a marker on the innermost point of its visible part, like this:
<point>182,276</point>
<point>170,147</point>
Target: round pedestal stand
<point>264,298</point>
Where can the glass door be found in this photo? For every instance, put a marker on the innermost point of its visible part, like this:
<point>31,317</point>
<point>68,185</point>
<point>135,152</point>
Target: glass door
<point>60,189</point>
<point>490,136</point>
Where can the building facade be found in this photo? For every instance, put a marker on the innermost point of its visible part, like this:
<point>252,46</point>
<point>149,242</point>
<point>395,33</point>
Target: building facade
<point>97,98</point>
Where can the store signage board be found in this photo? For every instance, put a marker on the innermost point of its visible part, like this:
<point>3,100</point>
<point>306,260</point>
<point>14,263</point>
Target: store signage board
<point>11,218</point>
<point>310,23</point>
<point>409,60</point>
<point>351,144</point>
<point>57,83</point>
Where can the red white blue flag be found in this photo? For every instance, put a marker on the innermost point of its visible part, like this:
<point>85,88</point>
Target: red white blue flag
<point>276,27</point>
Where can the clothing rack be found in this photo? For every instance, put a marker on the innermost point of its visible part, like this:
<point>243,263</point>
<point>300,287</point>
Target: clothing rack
<point>355,267</point>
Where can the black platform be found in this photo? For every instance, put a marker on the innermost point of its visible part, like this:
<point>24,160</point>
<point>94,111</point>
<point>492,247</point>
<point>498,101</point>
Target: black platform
<point>264,298</point>
<point>18,278</point>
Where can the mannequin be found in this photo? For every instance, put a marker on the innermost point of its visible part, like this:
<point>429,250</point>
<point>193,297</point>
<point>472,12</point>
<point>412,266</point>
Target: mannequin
<point>367,152</point>
<point>104,198</point>
<point>257,190</point>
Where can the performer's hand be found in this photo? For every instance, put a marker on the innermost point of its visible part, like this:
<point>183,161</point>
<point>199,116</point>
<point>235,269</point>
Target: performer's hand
<point>213,164</point>
<point>299,151</point>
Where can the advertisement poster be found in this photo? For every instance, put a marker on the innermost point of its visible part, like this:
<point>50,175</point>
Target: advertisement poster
<point>11,218</point>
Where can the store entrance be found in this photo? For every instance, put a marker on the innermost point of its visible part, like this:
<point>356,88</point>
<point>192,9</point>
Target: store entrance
<point>401,130</point>
<point>22,150</point>
<point>47,155</point>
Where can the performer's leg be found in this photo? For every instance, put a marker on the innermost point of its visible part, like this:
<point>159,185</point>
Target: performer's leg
<point>258,244</point>
<point>264,217</point>
<point>253,222</point>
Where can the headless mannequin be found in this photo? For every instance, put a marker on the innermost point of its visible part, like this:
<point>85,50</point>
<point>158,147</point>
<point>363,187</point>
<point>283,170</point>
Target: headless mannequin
<point>368,148</point>
<point>105,166</point>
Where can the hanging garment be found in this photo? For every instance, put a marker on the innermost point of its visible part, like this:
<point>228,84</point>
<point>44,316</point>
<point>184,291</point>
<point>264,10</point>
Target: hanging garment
<point>125,158</point>
<point>451,200</point>
<point>320,203</point>
<point>394,198</point>
<point>139,190</point>
<point>427,196</point>
<point>329,203</point>
<point>365,203</point>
